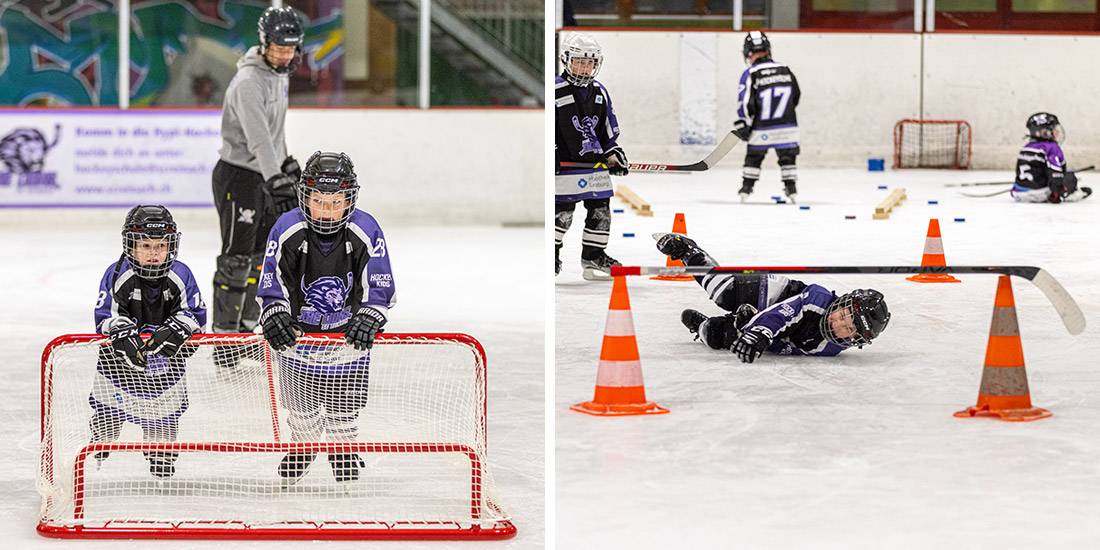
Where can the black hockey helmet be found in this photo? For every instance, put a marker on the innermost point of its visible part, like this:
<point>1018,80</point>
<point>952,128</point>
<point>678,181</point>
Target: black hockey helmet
<point>282,27</point>
<point>869,315</point>
<point>756,41</point>
<point>146,229</point>
<point>328,177</point>
<point>1045,126</point>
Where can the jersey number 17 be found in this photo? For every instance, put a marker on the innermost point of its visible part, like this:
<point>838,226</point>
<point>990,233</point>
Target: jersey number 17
<point>781,94</point>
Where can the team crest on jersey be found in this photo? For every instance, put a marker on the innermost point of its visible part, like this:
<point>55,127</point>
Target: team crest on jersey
<point>587,128</point>
<point>326,302</point>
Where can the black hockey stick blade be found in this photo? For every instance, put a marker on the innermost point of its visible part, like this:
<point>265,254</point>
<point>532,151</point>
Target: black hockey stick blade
<point>980,183</point>
<point>727,144</point>
<point>1056,294</point>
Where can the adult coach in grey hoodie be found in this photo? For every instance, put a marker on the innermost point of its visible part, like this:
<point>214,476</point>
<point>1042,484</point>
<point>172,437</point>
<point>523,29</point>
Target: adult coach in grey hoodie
<point>254,180</point>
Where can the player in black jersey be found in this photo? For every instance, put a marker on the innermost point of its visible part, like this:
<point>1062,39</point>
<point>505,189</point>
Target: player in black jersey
<point>146,292</point>
<point>766,99</point>
<point>326,269</point>
<point>586,131</point>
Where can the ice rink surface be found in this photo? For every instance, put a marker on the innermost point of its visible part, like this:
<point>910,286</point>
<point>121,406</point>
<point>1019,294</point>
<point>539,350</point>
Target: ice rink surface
<point>857,451</point>
<point>54,259</point>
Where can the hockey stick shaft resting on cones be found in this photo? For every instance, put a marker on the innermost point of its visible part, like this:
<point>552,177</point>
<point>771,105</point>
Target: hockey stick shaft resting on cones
<point>716,155</point>
<point>1064,304</point>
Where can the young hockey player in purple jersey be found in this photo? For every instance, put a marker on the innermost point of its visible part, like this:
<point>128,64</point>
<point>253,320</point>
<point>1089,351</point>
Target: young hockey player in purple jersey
<point>774,313</point>
<point>586,131</point>
<point>147,291</point>
<point>326,269</point>
<point>766,99</point>
<point>1041,173</point>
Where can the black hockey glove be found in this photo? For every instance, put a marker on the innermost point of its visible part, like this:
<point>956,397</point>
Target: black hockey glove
<point>279,328</point>
<point>752,344</point>
<point>362,329</point>
<point>742,130</point>
<point>291,168</point>
<point>283,190</point>
<point>617,164</point>
<point>168,338</point>
<point>128,347</point>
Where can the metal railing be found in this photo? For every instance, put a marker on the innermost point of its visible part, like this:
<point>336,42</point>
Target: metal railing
<point>516,26</point>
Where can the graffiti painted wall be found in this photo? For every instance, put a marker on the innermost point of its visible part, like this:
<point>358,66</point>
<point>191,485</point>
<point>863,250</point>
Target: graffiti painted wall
<point>182,52</point>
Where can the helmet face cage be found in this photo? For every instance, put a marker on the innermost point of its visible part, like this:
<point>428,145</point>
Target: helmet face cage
<point>863,332</point>
<point>1045,126</point>
<point>326,177</point>
<point>581,46</point>
<point>142,227</point>
<point>282,27</point>
<point>755,41</point>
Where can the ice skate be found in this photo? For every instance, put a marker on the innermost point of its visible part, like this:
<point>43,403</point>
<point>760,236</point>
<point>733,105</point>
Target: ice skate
<point>294,466</point>
<point>345,466</point>
<point>675,245</point>
<point>598,268</point>
<point>746,190</point>
<point>791,190</point>
<point>162,465</point>
<point>1081,193</point>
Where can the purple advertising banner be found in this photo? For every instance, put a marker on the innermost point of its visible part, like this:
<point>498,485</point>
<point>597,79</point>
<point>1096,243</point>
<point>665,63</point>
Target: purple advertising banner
<point>105,157</point>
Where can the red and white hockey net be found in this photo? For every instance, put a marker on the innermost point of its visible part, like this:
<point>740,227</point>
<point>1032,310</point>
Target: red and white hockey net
<point>413,411</point>
<point>932,144</point>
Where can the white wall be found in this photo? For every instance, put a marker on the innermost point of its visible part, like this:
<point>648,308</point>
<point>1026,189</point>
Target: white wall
<point>996,81</point>
<point>435,166</point>
<point>856,86</point>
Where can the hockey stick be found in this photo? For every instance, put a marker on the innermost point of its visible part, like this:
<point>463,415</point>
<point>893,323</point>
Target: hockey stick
<point>716,155</point>
<point>1079,170</point>
<point>1064,304</point>
<point>983,195</point>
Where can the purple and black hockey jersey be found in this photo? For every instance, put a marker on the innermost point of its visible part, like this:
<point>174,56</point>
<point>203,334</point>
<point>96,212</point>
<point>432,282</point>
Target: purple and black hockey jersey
<point>767,96</point>
<point>586,128</point>
<point>324,280</point>
<point>1041,165</point>
<point>795,323</point>
<point>157,394</point>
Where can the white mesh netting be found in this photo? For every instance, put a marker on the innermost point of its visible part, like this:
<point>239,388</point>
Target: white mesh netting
<point>388,444</point>
<point>932,144</point>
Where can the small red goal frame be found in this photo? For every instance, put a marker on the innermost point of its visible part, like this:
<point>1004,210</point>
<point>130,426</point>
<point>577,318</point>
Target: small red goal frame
<point>229,529</point>
<point>961,141</point>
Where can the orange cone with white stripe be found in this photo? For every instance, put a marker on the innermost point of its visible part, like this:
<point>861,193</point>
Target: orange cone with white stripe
<point>620,390</point>
<point>1004,392</point>
<point>679,225</point>
<point>933,256</point>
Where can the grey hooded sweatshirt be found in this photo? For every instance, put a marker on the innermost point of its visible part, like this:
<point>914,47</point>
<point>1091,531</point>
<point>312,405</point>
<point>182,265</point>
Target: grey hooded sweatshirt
<point>254,115</point>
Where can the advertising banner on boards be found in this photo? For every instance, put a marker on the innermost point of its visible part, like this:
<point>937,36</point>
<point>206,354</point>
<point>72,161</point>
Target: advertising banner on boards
<point>107,157</point>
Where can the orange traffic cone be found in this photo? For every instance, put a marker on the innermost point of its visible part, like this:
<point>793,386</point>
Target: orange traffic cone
<point>1004,392</point>
<point>620,390</point>
<point>933,256</point>
<point>679,225</point>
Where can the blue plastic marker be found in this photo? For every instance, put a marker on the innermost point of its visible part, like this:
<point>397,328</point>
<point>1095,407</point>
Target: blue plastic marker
<point>803,207</point>
<point>776,198</point>
<point>960,220</point>
<point>933,202</point>
<point>617,211</point>
<point>882,187</point>
<point>628,234</point>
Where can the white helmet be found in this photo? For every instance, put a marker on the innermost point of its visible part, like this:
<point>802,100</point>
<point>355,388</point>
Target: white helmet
<point>581,46</point>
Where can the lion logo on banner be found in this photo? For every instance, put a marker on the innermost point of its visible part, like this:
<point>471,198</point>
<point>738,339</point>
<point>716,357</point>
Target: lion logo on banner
<point>24,150</point>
